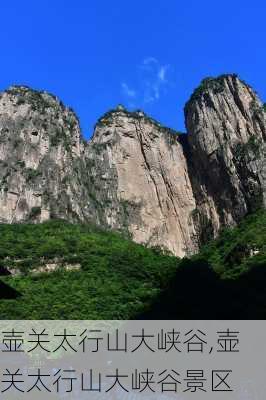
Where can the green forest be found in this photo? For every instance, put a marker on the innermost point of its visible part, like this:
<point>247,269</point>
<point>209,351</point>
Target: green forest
<point>97,274</point>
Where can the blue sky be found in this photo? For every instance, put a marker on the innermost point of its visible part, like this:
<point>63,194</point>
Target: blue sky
<point>142,53</point>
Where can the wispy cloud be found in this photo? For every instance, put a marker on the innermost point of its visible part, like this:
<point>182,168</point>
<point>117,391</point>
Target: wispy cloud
<point>162,73</point>
<point>127,91</point>
<point>152,81</point>
<point>149,60</point>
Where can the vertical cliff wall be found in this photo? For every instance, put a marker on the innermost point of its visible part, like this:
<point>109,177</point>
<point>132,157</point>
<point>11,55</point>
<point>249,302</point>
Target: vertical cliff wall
<point>135,176</point>
<point>142,179</point>
<point>40,158</point>
<point>226,125</point>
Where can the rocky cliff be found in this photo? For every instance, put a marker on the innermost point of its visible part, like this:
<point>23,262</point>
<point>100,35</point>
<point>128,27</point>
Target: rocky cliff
<point>141,176</point>
<point>226,123</point>
<point>40,158</point>
<point>157,186</point>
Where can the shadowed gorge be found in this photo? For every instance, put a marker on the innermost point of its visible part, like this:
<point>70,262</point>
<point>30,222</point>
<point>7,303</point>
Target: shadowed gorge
<point>197,292</point>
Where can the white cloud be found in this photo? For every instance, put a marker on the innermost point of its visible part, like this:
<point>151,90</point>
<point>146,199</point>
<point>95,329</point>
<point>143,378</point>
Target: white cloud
<point>162,73</point>
<point>150,60</point>
<point>127,91</point>
<point>151,92</point>
<point>152,80</point>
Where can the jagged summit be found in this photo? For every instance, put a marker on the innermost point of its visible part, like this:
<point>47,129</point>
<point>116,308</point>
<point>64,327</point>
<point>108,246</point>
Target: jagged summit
<point>24,94</point>
<point>137,115</point>
<point>22,88</point>
<point>29,93</point>
<point>214,86</point>
<point>135,175</point>
<point>122,110</point>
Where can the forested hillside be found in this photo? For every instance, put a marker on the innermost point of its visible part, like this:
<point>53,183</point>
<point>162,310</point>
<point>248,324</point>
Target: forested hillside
<point>70,271</point>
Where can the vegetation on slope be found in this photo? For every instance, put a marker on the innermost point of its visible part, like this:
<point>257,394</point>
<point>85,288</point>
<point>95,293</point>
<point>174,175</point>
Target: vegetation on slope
<point>237,250</point>
<point>119,279</point>
<point>226,280</point>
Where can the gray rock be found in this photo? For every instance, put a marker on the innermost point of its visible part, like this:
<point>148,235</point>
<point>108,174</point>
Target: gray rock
<point>226,126</point>
<point>135,176</point>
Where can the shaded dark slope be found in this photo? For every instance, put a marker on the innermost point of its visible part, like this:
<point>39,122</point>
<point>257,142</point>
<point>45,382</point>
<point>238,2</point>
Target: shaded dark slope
<point>227,280</point>
<point>198,292</point>
<point>7,292</point>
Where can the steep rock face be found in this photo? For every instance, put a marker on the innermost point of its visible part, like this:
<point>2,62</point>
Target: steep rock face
<point>40,158</point>
<point>226,126</point>
<point>136,176</point>
<point>142,179</point>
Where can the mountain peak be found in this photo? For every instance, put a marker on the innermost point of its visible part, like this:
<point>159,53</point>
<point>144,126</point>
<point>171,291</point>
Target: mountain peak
<point>212,86</point>
<point>135,175</point>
